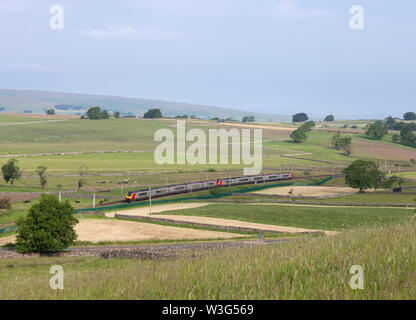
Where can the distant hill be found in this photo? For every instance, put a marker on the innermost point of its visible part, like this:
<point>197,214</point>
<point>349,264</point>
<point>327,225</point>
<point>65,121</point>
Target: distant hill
<point>12,100</point>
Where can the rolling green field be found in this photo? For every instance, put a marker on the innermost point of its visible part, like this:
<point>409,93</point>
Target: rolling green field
<point>10,118</point>
<point>302,217</point>
<point>312,268</point>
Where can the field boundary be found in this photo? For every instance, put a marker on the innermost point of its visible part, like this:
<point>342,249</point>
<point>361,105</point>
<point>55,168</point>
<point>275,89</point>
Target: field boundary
<point>205,225</point>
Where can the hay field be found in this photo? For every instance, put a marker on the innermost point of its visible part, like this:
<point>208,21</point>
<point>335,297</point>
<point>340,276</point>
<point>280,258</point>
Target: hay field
<point>307,191</point>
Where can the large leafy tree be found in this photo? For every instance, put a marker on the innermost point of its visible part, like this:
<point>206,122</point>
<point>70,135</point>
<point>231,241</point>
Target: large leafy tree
<point>362,175</point>
<point>409,116</point>
<point>376,130</point>
<point>96,113</point>
<point>329,118</point>
<point>300,117</point>
<point>11,171</point>
<point>299,135</point>
<point>49,227</point>
<point>153,113</point>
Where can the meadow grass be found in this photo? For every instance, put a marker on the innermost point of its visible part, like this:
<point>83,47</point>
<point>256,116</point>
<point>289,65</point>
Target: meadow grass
<point>302,217</point>
<point>309,268</point>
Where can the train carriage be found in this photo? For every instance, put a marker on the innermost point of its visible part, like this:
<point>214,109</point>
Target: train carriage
<point>142,195</point>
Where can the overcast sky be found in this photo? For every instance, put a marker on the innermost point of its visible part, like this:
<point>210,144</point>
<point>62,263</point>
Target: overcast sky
<point>274,56</point>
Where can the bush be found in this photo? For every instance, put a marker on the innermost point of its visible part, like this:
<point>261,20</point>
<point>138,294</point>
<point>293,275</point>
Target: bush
<point>153,113</point>
<point>49,227</point>
<point>5,203</point>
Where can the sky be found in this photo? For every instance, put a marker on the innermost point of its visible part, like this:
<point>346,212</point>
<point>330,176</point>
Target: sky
<point>271,56</point>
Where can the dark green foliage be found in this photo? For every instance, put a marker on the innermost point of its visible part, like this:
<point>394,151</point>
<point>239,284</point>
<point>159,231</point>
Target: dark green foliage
<point>153,113</point>
<point>407,137</point>
<point>299,135</point>
<point>50,112</point>
<point>307,126</point>
<point>395,138</point>
<point>339,142</point>
<point>376,130</point>
<point>41,171</point>
<point>185,116</point>
<point>329,118</point>
<point>11,171</point>
<point>363,175</point>
<point>48,227</point>
<point>95,113</point>
<point>248,119</point>
<point>409,116</point>
<point>300,117</point>
<point>117,114</point>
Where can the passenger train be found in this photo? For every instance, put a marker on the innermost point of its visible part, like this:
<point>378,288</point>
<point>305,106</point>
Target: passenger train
<point>205,185</point>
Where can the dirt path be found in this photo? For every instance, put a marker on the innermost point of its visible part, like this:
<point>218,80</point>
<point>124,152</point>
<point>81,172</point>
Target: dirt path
<point>157,209</point>
<point>20,196</point>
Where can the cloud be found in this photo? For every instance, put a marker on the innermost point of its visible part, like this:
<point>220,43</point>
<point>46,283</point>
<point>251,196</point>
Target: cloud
<point>27,67</point>
<point>111,32</point>
<point>291,9</point>
<point>127,31</point>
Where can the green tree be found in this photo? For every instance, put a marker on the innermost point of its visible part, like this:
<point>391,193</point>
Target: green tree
<point>116,114</point>
<point>395,138</point>
<point>407,137</point>
<point>48,227</point>
<point>300,117</point>
<point>376,130</point>
<point>83,172</point>
<point>94,113</point>
<point>153,113</point>
<point>409,116</point>
<point>341,143</point>
<point>105,114</point>
<point>41,171</point>
<point>50,112</point>
<point>307,126</point>
<point>248,119</point>
<point>299,135</point>
<point>329,118</point>
<point>361,175</point>
<point>11,171</point>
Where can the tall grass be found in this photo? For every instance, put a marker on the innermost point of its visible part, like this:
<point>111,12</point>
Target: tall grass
<point>313,268</point>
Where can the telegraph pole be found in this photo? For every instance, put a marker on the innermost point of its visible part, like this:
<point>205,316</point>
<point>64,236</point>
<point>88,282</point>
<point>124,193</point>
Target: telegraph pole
<point>150,201</point>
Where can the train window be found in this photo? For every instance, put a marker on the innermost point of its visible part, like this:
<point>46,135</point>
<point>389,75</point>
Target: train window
<point>142,194</point>
<point>258,178</point>
<point>243,180</point>
<point>272,177</point>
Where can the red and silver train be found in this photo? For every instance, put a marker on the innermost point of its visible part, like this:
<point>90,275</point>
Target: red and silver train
<point>205,185</point>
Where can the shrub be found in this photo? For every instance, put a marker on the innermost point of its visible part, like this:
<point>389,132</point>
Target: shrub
<point>49,227</point>
<point>5,203</point>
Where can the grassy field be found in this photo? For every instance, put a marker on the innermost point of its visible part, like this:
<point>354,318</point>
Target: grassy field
<point>312,268</point>
<point>302,217</point>
<point>9,118</point>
